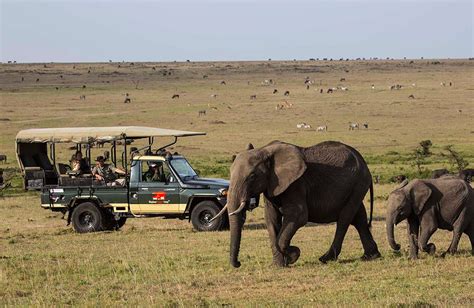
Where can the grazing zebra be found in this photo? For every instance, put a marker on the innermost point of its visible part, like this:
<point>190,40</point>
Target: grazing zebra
<point>202,113</point>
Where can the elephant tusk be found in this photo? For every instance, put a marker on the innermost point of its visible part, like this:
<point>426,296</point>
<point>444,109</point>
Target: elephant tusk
<point>241,207</point>
<point>219,214</point>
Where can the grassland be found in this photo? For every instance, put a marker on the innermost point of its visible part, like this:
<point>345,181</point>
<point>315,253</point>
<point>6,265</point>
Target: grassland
<point>163,262</point>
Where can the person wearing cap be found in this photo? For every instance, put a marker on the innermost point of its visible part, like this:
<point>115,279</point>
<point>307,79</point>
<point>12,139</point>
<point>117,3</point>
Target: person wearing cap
<point>106,172</point>
<point>153,174</point>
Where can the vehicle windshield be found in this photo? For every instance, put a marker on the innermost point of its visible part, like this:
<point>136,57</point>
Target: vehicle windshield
<point>183,168</point>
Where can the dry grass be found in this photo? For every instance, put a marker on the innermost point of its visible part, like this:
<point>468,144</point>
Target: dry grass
<point>163,262</point>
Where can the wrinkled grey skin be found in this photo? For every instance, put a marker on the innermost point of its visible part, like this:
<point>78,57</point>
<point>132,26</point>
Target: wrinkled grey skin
<point>445,203</point>
<point>324,183</point>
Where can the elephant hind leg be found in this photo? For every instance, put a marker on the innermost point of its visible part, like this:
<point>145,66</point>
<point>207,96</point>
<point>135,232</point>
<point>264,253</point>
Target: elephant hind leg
<point>458,227</point>
<point>470,232</point>
<point>346,216</point>
<point>371,250</point>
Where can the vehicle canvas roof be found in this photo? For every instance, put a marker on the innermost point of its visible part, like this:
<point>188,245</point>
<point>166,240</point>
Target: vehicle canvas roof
<point>93,134</point>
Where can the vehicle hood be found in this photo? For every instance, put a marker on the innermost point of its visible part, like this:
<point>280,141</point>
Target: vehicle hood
<point>208,182</point>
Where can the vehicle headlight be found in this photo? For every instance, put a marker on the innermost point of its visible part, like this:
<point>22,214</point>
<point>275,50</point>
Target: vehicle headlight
<point>223,192</point>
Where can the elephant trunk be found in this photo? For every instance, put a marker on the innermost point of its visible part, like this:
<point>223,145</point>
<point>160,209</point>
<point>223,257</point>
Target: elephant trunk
<point>236,224</point>
<point>390,223</point>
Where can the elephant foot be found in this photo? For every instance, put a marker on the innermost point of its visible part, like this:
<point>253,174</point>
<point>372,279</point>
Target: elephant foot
<point>371,256</point>
<point>328,256</point>
<point>293,253</point>
<point>279,260</point>
<point>431,248</point>
<point>449,251</point>
<point>413,257</point>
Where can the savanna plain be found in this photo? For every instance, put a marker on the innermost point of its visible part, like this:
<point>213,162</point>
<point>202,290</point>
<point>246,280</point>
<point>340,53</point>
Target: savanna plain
<point>164,262</point>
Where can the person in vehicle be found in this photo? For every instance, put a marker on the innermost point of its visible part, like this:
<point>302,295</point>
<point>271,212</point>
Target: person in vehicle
<point>107,173</point>
<point>79,164</point>
<point>154,173</point>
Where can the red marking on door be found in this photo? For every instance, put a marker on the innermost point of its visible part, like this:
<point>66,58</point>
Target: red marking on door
<point>159,196</point>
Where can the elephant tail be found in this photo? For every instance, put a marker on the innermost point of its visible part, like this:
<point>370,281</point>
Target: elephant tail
<point>371,203</point>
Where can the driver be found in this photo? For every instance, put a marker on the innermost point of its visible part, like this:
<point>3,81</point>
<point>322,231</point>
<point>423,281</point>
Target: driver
<point>154,173</point>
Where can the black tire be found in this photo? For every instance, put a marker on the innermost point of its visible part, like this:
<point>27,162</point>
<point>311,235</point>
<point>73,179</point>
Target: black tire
<point>110,223</point>
<point>121,222</point>
<point>87,217</point>
<point>205,211</point>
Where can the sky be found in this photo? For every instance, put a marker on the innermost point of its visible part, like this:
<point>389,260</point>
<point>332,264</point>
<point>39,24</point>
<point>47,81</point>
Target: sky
<point>211,30</point>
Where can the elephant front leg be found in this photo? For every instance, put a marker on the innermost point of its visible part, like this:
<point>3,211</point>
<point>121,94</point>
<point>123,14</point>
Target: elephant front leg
<point>273,220</point>
<point>294,216</point>
<point>288,230</point>
<point>428,226</point>
<point>413,227</point>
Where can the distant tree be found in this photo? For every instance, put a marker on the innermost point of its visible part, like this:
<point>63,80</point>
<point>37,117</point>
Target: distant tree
<point>420,154</point>
<point>455,158</point>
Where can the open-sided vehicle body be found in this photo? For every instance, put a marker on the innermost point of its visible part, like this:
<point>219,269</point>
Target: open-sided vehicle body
<point>94,205</point>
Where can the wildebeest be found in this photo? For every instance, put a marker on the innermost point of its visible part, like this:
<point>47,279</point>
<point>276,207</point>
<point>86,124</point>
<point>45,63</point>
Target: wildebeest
<point>321,91</point>
<point>205,76</point>
<point>3,158</point>
<point>398,178</point>
<point>37,79</point>
<point>307,87</point>
<point>439,173</point>
<point>175,96</point>
<point>275,91</point>
<point>366,125</point>
<point>84,86</point>
<point>329,91</point>
<point>22,79</point>
<point>411,96</point>
<point>342,79</point>
<point>287,93</point>
<point>127,99</point>
<point>106,155</point>
<point>467,175</point>
<point>223,82</point>
<point>202,113</point>
<point>253,96</point>
<point>82,97</point>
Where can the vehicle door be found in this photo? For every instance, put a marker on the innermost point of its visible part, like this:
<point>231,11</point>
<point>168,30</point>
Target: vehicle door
<point>158,190</point>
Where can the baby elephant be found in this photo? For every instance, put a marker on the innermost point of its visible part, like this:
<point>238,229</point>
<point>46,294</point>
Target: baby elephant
<point>446,203</point>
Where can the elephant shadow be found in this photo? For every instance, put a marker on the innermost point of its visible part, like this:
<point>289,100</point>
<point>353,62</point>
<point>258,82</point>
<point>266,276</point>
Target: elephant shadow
<point>260,226</point>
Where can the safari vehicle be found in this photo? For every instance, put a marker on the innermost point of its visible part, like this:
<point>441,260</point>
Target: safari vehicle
<point>93,205</point>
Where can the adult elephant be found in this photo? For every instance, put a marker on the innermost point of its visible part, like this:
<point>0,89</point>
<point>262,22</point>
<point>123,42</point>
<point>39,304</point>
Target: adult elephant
<point>323,183</point>
<point>444,203</point>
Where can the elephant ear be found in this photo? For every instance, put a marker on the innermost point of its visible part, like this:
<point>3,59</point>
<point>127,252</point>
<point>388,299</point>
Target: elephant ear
<point>286,163</point>
<point>420,193</point>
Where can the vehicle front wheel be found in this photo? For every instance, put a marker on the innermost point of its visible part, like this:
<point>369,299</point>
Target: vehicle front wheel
<point>203,212</point>
<point>87,217</point>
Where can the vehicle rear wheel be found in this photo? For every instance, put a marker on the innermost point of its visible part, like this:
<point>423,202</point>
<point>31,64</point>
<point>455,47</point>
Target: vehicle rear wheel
<point>203,212</point>
<point>87,217</point>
